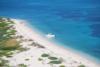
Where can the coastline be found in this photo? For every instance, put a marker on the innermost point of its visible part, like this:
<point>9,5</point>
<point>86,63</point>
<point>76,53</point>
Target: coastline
<point>23,29</point>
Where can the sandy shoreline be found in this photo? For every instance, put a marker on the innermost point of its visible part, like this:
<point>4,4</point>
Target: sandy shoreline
<point>23,29</point>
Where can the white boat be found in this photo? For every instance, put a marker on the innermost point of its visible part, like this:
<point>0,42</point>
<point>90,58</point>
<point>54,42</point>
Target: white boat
<point>50,35</point>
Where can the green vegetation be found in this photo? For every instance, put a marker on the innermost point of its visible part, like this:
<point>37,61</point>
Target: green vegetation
<point>22,65</point>
<point>27,59</point>
<point>62,66</point>
<point>45,55</point>
<point>52,58</point>
<point>55,62</point>
<point>4,63</point>
<point>6,30</point>
<point>81,66</point>
<point>40,59</point>
<point>6,53</point>
<point>21,49</point>
<point>8,42</point>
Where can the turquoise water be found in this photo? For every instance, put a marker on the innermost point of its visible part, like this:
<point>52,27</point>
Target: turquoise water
<point>76,23</point>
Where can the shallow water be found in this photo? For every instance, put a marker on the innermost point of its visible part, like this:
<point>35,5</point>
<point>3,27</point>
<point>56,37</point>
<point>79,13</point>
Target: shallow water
<point>76,23</point>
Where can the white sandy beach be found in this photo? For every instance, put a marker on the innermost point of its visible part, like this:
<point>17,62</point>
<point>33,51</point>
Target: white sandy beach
<point>51,47</point>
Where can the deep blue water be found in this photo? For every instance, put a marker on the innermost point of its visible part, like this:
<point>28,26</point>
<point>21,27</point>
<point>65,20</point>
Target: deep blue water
<point>76,23</point>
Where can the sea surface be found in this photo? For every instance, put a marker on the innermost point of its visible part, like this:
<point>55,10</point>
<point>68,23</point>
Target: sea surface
<point>76,23</point>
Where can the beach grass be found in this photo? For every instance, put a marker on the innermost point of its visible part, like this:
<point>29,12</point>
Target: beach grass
<point>8,42</point>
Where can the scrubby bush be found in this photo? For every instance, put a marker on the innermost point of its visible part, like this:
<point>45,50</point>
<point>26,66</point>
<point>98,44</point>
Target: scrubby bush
<point>62,66</point>
<point>55,62</point>
<point>81,66</point>
<point>52,58</point>
<point>45,55</point>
